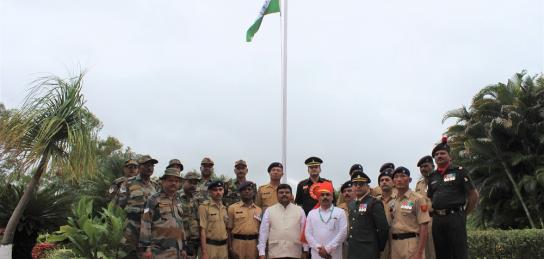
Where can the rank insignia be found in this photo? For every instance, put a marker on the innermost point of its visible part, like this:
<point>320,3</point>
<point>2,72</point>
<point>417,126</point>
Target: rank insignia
<point>424,208</point>
<point>449,177</point>
<point>362,207</point>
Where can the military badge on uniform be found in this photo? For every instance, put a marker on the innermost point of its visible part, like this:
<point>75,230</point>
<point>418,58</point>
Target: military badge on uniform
<point>362,207</point>
<point>123,188</point>
<point>111,190</point>
<point>449,177</point>
<point>407,205</point>
<point>424,208</point>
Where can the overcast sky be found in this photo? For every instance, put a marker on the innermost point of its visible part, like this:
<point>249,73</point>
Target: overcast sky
<point>368,81</point>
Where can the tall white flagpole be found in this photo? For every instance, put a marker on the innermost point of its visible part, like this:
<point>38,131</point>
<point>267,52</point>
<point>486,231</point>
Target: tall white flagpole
<point>283,22</point>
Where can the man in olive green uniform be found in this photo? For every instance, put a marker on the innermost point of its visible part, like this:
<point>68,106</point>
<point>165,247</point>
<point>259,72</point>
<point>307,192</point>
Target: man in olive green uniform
<point>266,195</point>
<point>189,204</point>
<point>175,163</point>
<point>161,232</point>
<point>426,167</point>
<point>130,169</point>
<point>244,222</point>
<point>385,181</point>
<point>206,172</point>
<point>368,228</point>
<point>304,197</point>
<point>132,197</point>
<point>410,219</point>
<point>213,224</point>
<point>233,195</point>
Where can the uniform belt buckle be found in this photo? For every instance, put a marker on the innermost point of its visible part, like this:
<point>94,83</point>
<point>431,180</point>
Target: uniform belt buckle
<point>441,212</point>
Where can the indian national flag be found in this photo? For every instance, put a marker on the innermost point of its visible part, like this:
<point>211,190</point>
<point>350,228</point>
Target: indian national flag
<point>269,6</point>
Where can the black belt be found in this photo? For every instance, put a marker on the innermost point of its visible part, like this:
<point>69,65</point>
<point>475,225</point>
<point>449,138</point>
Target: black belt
<point>402,236</point>
<point>445,212</point>
<point>216,242</point>
<point>245,237</point>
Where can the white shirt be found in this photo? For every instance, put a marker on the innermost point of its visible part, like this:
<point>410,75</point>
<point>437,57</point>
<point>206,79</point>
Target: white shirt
<point>328,230</point>
<point>264,230</point>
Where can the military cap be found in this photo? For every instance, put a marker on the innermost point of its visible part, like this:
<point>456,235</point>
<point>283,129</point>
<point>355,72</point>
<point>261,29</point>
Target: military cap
<point>245,184</point>
<point>175,162</point>
<point>347,184</point>
<point>355,167</point>
<point>425,159</point>
<point>131,162</point>
<point>359,176</point>
<point>387,166</point>
<point>216,184</point>
<point>206,160</point>
<point>146,158</point>
<point>443,145</point>
<point>274,164</point>
<point>191,176</point>
<point>387,172</point>
<point>401,169</point>
<point>171,172</point>
<point>240,162</point>
<point>311,161</point>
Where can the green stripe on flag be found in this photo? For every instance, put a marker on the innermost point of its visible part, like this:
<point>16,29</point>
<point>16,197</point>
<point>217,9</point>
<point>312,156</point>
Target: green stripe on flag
<point>269,6</point>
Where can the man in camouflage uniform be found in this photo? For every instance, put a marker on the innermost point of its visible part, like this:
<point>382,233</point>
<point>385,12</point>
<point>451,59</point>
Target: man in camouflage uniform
<point>267,195</point>
<point>190,203</point>
<point>161,233</point>
<point>175,163</point>
<point>132,197</point>
<point>232,194</point>
<point>206,171</point>
<point>130,169</point>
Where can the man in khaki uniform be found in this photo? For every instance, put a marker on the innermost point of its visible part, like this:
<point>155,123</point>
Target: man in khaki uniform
<point>426,167</point>
<point>385,181</point>
<point>213,224</point>
<point>266,195</point>
<point>189,204</point>
<point>130,169</point>
<point>346,191</point>
<point>410,219</point>
<point>244,222</point>
<point>206,171</point>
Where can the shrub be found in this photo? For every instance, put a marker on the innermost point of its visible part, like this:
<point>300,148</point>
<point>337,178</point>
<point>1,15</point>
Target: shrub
<point>527,243</point>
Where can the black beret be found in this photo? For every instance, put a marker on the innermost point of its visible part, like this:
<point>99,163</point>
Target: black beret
<point>215,184</point>
<point>347,184</point>
<point>401,169</point>
<point>313,161</point>
<point>359,176</point>
<point>443,145</point>
<point>275,164</point>
<point>244,185</point>
<point>425,159</point>
<point>355,167</point>
<point>388,172</point>
<point>386,166</point>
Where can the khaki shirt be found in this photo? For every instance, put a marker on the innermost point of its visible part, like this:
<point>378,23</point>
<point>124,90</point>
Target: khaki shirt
<point>408,212</point>
<point>214,220</point>
<point>386,205</point>
<point>244,220</point>
<point>266,196</point>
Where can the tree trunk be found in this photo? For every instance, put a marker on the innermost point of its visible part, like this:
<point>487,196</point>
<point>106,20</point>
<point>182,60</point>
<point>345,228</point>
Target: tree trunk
<point>9,233</point>
<point>518,193</point>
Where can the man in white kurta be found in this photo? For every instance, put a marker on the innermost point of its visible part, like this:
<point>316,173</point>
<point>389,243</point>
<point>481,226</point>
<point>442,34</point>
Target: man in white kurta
<point>326,227</point>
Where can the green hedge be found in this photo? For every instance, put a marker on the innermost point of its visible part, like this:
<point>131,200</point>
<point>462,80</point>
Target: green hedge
<point>526,244</point>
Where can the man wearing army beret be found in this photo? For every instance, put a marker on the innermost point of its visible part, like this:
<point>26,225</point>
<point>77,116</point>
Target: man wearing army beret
<point>213,223</point>
<point>304,197</point>
<point>162,233</point>
<point>388,192</point>
<point>266,194</point>
<point>409,218</point>
<point>368,229</point>
<point>450,188</point>
<point>426,166</point>
<point>190,203</point>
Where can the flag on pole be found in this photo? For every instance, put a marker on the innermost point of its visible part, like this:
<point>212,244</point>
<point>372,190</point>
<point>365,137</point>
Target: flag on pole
<point>269,6</point>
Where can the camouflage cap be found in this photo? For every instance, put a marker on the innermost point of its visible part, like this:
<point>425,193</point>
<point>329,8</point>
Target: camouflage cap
<point>175,162</point>
<point>191,176</point>
<point>131,162</point>
<point>147,158</point>
<point>206,160</point>
<point>240,162</point>
<point>171,172</point>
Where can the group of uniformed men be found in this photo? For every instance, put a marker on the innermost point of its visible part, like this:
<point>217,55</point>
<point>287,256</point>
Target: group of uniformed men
<point>191,215</point>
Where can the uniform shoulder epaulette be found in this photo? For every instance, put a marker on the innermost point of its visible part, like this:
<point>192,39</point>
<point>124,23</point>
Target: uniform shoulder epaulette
<point>264,186</point>
<point>131,179</point>
<point>422,179</point>
<point>120,180</point>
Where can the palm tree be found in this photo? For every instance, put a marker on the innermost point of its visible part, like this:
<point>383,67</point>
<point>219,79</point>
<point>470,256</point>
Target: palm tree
<point>53,129</point>
<point>503,131</point>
